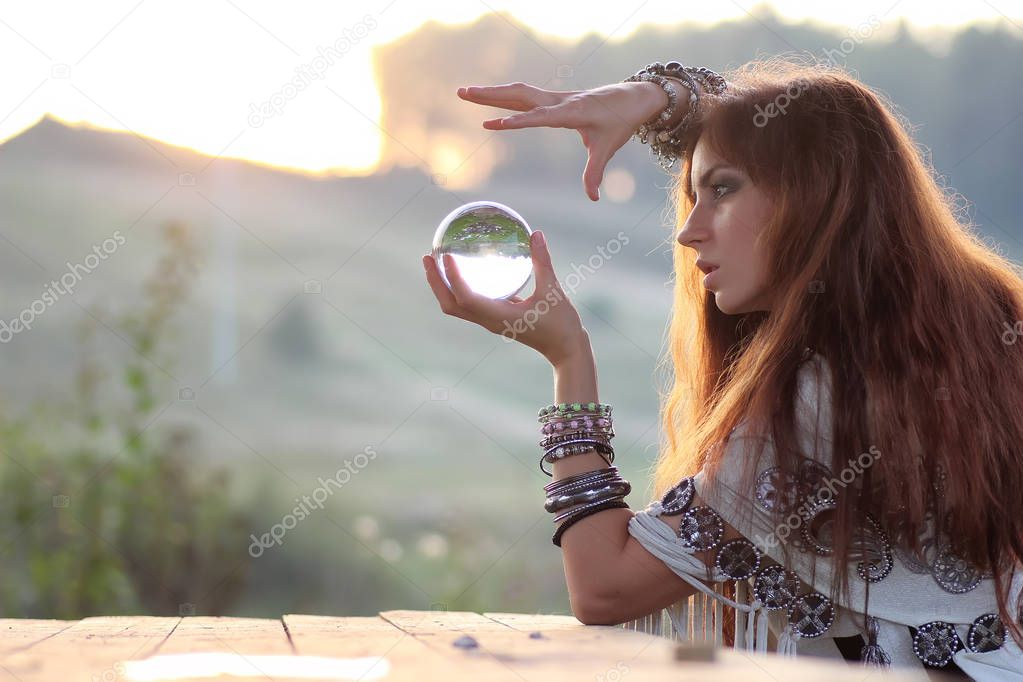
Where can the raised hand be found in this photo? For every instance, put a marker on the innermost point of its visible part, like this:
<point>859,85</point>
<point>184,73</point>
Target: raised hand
<point>605,117</point>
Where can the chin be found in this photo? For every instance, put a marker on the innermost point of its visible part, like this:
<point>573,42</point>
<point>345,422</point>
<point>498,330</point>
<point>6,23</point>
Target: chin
<point>724,304</point>
<point>731,307</point>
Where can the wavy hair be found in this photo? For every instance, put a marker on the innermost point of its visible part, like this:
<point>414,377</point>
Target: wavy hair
<point>871,265</point>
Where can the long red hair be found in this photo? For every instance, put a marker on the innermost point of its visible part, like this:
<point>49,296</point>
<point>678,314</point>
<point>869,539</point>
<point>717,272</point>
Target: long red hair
<point>873,266</point>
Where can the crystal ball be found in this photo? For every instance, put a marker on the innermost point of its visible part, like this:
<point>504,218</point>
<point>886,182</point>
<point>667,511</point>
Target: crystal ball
<point>490,245</point>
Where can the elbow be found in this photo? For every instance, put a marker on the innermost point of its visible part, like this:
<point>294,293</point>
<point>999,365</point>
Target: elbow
<point>594,612</point>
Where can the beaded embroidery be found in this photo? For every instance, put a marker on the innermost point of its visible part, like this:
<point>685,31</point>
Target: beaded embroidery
<point>811,615</point>
<point>775,587</point>
<point>701,528</point>
<point>738,559</point>
<point>677,499</point>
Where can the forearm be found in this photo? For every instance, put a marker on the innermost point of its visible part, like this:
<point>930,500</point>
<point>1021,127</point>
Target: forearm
<point>575,381</point>
<point>593,545</point>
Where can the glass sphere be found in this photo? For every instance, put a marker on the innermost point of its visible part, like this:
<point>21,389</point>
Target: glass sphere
<point>490,245</point>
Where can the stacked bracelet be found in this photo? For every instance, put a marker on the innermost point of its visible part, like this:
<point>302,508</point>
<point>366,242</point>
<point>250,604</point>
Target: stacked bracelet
<point>667,144</point>
<point>575,428</point>
<point>595,491</point>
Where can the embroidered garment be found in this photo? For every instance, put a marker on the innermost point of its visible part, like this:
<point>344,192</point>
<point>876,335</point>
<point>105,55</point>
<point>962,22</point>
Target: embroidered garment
<point>939,613</point>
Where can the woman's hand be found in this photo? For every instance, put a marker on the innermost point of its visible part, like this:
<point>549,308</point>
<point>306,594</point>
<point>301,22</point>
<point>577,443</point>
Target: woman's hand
<point>546,321</point>
<point>606,117</point>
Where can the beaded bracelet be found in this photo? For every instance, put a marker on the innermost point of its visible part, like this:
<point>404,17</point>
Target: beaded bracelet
<point>575,428</point>
<point>660,120</point>
<point>666,144</point>
<point>559,424</point>
<point>559,450</point>
<point>604,436</point>
<point>606,452</point>
<point>569,408</point>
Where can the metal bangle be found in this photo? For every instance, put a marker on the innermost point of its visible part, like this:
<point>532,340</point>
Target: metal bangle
<point>579,439</point>
<point>583,485</point>
<point>561,502</point>
<point>608,456</point>
<point>666,144</point>
<point>568,450</point>
<point>571,512</point>
<point>586,476</point>
<point>664,115</point>
<point>615,504</point>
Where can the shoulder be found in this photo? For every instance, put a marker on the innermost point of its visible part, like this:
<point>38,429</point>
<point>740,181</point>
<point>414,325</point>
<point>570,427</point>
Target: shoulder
<point>750,449</point>
<point>813,404</point>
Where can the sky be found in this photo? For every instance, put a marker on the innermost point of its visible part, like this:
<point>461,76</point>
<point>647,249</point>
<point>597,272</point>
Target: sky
<point>291,84</point>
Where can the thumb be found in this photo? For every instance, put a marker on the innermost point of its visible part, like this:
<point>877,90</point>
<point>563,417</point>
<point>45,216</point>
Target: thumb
<point>543,267</point>
<point>593,174</point>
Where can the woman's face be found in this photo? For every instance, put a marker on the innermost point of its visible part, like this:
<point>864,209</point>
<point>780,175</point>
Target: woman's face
<point>729,212</point>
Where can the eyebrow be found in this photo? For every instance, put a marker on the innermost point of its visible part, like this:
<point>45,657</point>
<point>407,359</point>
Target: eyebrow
<point>706,176</point>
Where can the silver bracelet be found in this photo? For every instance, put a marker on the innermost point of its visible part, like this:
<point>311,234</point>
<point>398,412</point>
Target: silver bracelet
<point>577,510</point>
<point>661,119</point>
<point>667,144</point>
<point>589,495</point>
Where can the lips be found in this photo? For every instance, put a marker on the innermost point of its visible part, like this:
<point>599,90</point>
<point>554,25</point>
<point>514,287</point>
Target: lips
<point>706,267</point>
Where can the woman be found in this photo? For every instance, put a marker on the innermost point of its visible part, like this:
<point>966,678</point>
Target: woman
<point>845,382</point>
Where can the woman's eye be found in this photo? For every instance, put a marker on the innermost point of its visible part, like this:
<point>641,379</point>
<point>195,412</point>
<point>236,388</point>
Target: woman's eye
<point>714,188</point>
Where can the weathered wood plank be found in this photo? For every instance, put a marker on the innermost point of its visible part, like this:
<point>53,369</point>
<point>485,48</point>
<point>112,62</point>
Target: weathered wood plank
<point>401,656</point>
<point>415,645</point>
<point>432,622</point>
<point>585,653</point>
<point>569,653</point>
<point>90,649</point>
<point>202,645</point>
<point>228,634</point>
<point>527,622</point>
<point>21,633</point>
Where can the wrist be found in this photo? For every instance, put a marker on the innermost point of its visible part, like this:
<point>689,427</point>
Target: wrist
<point>578,353</point>
<point>575,378</point>
<point>653,97</point>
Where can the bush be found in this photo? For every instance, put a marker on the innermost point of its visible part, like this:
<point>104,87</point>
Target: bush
<point>123,521</point>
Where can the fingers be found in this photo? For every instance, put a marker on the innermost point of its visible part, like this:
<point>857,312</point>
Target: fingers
<point>444,295</point>
<point>455,296</point>
<point>517,96</point>
<point>462,292</point>
<point>543,268</point>
<point>551,117</point>
<point>593,174</point>
<point>492,100</point>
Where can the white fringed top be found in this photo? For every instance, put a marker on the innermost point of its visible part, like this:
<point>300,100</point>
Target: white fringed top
<point>910,595</point>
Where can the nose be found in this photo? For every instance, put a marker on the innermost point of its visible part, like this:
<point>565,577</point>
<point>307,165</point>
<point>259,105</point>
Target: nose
<point>692,231</point>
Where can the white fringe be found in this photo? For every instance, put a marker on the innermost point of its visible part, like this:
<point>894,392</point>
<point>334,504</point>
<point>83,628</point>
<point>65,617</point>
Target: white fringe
<point>697,617</point>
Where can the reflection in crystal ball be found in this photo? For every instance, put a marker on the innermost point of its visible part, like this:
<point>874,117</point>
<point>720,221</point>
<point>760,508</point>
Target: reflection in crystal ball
<point>490,245</point>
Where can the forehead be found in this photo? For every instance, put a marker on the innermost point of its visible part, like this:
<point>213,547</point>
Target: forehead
<point>704,157</point>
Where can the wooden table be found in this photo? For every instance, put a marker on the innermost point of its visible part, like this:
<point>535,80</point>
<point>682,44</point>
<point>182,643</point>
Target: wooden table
<point>396,645</point>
